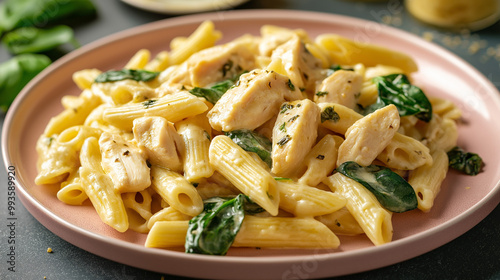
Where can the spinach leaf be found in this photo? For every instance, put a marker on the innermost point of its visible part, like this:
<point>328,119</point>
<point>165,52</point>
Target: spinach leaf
<point>16,73</point>
<point>22,13</point>
<point>251,141</point>
<point>35,40</point>
<point>390,189</point>
<point>465,162</point>
<point>126,74</point>
<point>213,93</point>
<point>409,99</point>
<point>213,231</point>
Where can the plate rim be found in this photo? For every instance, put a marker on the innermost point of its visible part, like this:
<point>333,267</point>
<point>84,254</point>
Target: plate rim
<point>486,204</point>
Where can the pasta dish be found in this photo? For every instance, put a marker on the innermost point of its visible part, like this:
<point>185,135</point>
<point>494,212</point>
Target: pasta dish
<point>272,141</point>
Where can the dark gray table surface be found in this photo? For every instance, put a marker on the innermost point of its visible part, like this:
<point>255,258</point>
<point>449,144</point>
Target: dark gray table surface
<point>474,255</point>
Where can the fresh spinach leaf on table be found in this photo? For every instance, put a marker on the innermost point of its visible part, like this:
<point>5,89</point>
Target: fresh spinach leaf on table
<point>36,40</point>
<point>42,13</point>
<point>16,73</point>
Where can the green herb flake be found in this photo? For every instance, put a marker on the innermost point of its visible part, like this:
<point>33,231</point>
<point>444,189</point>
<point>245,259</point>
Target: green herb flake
<point>329,114</point>
<point>284,140</point>
<point>290,85</point>
<point>149,103</point>
<point>282,179</point>
<point>337,67</point>
<point>206,134</point>
<point>292,119</point>
<point>227,67</point>
<point>285,107</point>
<point>321,93</point>
<point>337,223</point>
<point>283,127</point>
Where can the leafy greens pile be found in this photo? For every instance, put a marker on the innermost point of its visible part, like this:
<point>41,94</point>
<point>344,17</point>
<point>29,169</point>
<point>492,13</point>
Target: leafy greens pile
<point>32,31</point>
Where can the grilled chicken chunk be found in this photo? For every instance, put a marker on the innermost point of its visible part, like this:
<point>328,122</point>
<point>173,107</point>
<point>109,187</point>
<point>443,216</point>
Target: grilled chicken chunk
<point>214,64</point>
<point>294,134</point>
<point>124,163</point>
<point>160,141</point>
<point>255,99</point>
<point>341,87</point>
<point>368,136</point>
<point>293,60</point>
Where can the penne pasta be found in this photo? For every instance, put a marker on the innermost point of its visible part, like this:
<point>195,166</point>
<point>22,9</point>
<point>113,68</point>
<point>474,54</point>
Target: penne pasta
<point>251,143</point>
<point>364,207</point>
<point>249,176</point>
<point>176,191</point>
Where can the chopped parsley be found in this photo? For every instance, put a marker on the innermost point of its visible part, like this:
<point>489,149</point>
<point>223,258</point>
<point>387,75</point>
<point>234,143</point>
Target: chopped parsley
<point>284,140</point>
<point>227,67</point>
<point>285,107</point>
<point>149,103</point>
<point>283,127</point>
<point>292,119</point>
<point>290,85</point>
<point>329,114</point>
<point>282,179</point>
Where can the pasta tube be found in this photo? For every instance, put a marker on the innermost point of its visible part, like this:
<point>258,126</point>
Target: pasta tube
<point>321,160</point>
<point>196,137</point>
<point>302,200</point>
<point>344,51</point>
<point>173,107</point>
<point>270,232</point>
<point>99,187</point>
<point>426,180</point>
<point>365,208</point>
<point>244,173</point>
<point>176,191</point>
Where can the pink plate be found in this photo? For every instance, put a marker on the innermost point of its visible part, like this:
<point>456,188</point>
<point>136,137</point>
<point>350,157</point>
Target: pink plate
<point>461,204</point>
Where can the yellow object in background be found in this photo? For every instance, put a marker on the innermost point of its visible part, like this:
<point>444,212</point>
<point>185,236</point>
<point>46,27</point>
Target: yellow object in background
<point>456,14</point>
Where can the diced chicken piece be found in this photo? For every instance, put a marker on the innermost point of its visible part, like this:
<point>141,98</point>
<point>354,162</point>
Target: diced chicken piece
<point>294,134</point>
<point>273,36</point>
<point>342,87</point>
<point>255,99</point>
<point>293,60</point>
<point>160,141</point>
<point>124,163</point>
<point>369,136</point>
<point>214,64</point>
